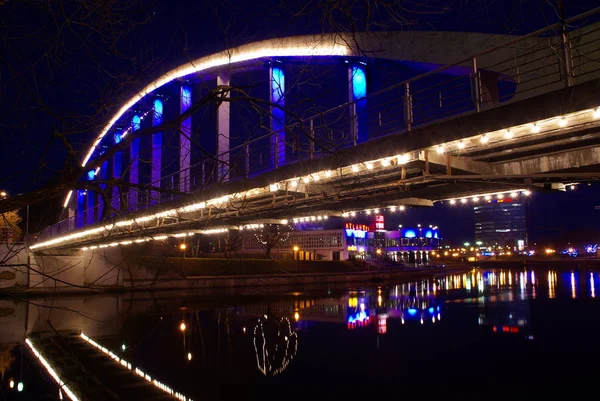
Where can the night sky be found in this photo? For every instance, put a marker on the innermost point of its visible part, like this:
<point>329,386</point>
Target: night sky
<point>71,83</point>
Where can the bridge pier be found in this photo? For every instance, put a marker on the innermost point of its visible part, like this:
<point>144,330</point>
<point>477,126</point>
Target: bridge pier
<point>156,171</point>
<point>277,93</point>
<point>357,91</point>
<point>184,139</point>
<point>223,124</point>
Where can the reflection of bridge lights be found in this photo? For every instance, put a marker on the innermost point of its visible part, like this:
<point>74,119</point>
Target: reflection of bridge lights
<point>122,362</point>
<point>278,347</point>
<point>51,371</point>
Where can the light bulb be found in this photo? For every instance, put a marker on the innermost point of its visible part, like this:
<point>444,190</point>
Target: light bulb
<point>461,145</point>
<point>508,134</point>
<point>484,139</point>
<point>535,128</point>
<point>562,122</point>
<point>440,149</point>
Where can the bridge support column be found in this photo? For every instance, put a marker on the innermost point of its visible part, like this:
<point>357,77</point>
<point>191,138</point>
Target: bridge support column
<point>277,91</point>
<point>155,174</point>
<point>116,173</point>
<point>357,90</point>
<point>223,124</point>
<point>184,140</point>
<point>134,166</point>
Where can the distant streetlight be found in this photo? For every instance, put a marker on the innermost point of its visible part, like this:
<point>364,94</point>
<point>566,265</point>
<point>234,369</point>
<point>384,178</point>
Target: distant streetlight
<point>296,316</point>
<point>183,247</point>
<point>11,383</point>
<point>296,249</point>
<point>189,356</point>
<point>182,326</point>
<point>3,194</point>
<point>20,387</point>
<point>467,244</point>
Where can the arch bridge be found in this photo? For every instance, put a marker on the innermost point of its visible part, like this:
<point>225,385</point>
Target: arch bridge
<point>309,127</point>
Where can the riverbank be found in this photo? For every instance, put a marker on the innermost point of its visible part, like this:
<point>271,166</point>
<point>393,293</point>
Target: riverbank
<point>190,283</point>
<point>533,263</point>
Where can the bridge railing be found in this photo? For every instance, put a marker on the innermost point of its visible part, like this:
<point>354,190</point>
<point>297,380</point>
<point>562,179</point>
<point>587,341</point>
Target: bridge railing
<point>541,62</point>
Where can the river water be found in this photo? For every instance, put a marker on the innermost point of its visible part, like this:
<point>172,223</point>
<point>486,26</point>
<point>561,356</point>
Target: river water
<point>486,334</point>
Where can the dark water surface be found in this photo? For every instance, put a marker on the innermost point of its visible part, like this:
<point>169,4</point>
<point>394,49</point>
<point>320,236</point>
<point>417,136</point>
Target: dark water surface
<point>510,334</point>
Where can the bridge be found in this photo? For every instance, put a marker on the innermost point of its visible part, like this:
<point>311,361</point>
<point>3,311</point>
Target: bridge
<point>337,125</point>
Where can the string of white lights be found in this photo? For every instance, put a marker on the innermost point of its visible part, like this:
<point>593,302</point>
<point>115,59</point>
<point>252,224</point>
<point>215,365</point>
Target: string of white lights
<point>51,371</point>
<point>367,167</point>
<point>163,387</point>
<point>489,196</point>
<point>376,210</point>
<point>540,127</point>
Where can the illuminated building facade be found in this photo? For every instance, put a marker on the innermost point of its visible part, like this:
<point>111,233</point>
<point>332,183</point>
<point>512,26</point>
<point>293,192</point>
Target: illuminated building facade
<point>501,223</point>
<point>326,241</point>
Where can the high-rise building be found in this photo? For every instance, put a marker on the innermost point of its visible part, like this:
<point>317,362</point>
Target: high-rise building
<point>501,223</point>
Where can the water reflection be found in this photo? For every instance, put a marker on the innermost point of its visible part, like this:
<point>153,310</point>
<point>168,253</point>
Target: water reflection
<point>275,344</point>
<point>174,339</point>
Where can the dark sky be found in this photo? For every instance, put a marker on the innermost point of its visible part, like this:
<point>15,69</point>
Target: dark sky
<point>179,30</point>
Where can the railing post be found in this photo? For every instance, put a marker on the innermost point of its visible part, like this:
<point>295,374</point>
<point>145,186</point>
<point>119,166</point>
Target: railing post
<point>476,86</point>
<point>408,109</point>
<point>566,54</point>
<point>311,138</point>
<point>247,159</point>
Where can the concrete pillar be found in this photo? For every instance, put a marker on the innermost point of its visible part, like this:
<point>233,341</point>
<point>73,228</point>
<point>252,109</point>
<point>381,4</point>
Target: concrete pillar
<point>184,140</point>
<point>277,92</point>
<point>155,175</point>
<point>134,164</point>
<point>223,123</point>
<point>116,173</point>
<point>357,91</point>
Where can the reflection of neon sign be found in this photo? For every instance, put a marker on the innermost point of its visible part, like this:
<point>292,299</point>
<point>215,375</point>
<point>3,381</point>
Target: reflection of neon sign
<point>359,317</point>
<point>412,311</point>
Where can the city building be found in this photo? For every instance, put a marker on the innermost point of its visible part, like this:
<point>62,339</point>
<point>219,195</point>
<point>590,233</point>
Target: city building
<point>500,223</point>
<point>335,239</point>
